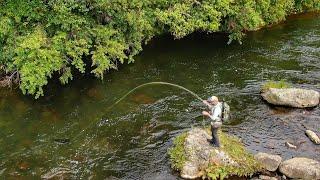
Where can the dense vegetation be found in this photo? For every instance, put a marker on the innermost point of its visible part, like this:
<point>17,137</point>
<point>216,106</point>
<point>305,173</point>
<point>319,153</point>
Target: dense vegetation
<point>41,38</point>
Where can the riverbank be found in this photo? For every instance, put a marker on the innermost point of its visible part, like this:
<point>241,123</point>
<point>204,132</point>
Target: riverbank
<point>97,37</point>
<point>9,79</point>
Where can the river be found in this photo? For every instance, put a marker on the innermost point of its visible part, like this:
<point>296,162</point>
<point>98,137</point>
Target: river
<point>130,140</point>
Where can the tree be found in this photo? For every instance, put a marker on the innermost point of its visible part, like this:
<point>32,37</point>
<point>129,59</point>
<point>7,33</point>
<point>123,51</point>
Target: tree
<point>39,38</point>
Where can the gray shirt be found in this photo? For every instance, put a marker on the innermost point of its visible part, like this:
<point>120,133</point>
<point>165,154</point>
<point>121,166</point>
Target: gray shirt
<point>216,112</point>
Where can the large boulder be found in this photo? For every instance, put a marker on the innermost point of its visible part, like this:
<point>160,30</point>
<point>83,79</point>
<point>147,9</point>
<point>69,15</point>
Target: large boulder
<point>268,161</point>
<point>293,97</point>
<point>199,153</point>
<point>195,157</point>
<point>301,168</point>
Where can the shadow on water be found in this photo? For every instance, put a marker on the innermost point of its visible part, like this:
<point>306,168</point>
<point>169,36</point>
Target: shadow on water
<point>131,140</point>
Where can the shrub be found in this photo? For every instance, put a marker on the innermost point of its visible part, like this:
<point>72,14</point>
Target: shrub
<point>40,38</point>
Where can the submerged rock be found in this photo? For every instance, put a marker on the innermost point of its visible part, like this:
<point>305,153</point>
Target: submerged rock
<point>293,97</point>
<point>24,165</point>
<point>300,168</point>
<point>268,161</point>
<point>62,140</point>
<point>57,173</point>
<point>289,145</point>
<point>195,157</point>
<point>313,136</point>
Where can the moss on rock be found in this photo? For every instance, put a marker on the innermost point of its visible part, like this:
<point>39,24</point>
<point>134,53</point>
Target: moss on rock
<point>177,153</point>
<point>232,146</point>
<point>235,149</point>
<point>275,84</point>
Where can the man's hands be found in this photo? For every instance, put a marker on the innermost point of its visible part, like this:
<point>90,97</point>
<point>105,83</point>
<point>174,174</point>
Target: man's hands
<point>207,103</point>
<point>205,113</point>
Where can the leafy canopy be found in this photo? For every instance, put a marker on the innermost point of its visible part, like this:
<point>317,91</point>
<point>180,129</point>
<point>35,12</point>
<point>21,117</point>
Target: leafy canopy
<point>41,38</point>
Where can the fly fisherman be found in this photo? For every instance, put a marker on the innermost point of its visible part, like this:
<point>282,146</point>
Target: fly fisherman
<point>215,115</point>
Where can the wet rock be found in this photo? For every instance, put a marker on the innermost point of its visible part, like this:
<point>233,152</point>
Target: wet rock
<point>254,178</point>
<point>62,140</point>
<point>279,110</point>
<point>95,93</point>
<point>50,115</point>
<point>263,177</point>
<point>289,145</point>
<point>143,98</point>
<point>293,97</point>
<point>300,168</point>
<point>199,153</point>
<point>57,173</point>
<point>313,136</point>
<point>268,161</point>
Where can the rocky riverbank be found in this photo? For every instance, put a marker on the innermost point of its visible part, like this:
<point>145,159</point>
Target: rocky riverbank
<point>194,157</point>
<point>296,168</point>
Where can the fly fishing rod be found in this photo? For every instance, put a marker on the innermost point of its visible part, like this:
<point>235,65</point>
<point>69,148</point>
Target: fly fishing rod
<point>136,88</point>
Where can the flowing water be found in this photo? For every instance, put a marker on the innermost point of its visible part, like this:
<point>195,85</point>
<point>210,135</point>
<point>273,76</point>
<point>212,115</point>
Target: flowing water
<point>130,140</point>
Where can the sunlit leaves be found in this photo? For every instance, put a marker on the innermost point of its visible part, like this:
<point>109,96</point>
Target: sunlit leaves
<point>307,5</point>
<point>66,75</point>
<point>39,38</point>
<point>5,27</point>
<point>36,60</point>
<point>185,18</point>
<point>108,50</point>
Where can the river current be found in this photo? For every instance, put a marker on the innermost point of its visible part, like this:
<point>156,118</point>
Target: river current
<point>130,141</point>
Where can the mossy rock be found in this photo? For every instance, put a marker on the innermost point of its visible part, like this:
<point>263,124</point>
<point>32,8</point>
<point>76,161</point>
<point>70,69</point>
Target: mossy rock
<point>177,153</point>
<point>292,97</point>
<point>206,161</point>
<point>275,84</point>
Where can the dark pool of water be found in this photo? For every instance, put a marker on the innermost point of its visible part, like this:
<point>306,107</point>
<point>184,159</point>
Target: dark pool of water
<point>131,140</point>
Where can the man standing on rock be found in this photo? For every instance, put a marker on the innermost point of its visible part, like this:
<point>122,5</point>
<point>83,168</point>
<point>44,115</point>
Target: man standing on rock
<point>215,115</point>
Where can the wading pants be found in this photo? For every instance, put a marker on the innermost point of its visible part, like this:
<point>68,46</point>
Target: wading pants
<point>214,130</point>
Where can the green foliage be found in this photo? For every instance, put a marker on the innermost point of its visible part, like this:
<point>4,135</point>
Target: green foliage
<point>108,50</point>
<point>36,60</point>
<point>189,16</point>
<point>177,153</point>
<point>307,5</point>
<point>275,84</point>
<point>41,38</point>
